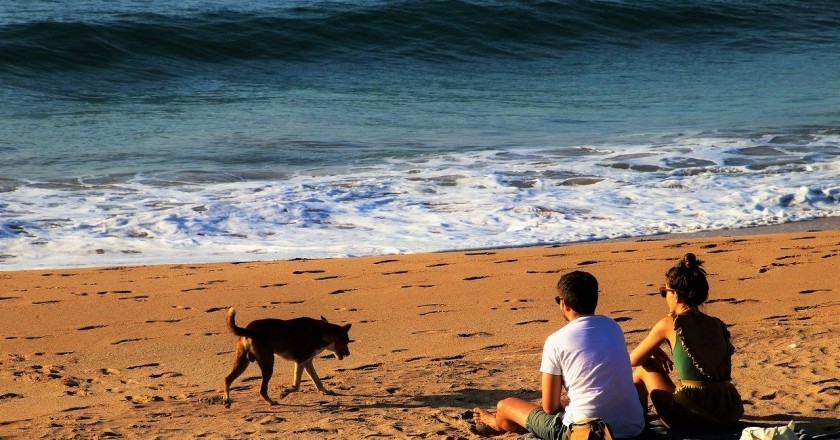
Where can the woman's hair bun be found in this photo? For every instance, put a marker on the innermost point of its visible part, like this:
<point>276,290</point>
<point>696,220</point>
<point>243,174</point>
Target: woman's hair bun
<point>690,261</point>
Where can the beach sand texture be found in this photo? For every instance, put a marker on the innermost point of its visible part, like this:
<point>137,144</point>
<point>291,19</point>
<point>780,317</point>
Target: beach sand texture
<point>141,352</point>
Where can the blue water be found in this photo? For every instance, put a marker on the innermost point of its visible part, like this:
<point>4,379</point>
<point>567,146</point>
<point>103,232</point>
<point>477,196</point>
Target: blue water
<point>151,131</point>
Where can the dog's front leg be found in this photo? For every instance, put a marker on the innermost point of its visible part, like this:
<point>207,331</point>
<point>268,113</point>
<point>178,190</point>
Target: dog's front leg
<point>310,370</point>
<point>296,384</point>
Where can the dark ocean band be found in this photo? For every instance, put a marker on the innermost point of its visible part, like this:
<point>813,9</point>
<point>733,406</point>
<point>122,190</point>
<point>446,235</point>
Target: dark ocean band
<point>425,30</point>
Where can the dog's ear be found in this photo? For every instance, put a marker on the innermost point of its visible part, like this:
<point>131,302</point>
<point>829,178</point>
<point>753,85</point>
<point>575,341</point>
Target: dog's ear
<point>347,327</point>
<point>323,319</point>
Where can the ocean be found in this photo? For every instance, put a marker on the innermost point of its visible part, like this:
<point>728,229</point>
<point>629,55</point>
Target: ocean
<point>143,132</point>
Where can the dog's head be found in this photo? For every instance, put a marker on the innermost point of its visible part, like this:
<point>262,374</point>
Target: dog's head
<point>338,338</point>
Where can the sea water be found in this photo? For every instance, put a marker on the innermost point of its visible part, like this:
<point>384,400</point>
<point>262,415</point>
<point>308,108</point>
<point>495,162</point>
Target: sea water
<point>135,132</point>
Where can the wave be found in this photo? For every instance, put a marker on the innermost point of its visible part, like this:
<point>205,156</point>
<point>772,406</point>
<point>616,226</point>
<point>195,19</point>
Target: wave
<point>435,31</point>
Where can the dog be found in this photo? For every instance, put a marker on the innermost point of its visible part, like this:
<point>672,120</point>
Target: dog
<point>298,340</point>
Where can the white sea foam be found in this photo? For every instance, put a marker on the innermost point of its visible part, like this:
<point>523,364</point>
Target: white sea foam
<point>439,202</point>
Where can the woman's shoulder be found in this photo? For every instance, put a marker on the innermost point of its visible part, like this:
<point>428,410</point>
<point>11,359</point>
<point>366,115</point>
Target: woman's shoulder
<point>664,326</point>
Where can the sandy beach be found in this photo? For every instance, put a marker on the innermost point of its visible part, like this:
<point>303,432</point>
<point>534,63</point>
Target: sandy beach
<point>141,352</point>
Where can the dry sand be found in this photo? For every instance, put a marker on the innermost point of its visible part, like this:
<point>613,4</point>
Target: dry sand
<point>141,352</point>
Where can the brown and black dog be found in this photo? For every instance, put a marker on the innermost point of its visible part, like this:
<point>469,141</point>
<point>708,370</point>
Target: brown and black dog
<point>298,340</point>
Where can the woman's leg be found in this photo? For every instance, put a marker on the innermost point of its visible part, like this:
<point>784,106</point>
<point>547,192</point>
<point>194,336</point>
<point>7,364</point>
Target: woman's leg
<point>511,415</point>
<point>653,381</point>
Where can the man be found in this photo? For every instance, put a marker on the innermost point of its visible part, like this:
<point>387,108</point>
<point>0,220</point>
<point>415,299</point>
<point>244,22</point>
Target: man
<point>588,356</point>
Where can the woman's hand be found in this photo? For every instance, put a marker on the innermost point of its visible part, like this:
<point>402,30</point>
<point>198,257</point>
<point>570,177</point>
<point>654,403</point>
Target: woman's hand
<point>662,359</point>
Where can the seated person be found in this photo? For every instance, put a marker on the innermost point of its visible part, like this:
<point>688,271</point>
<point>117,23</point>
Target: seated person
<point>702,356</point>
<point>588,356</point>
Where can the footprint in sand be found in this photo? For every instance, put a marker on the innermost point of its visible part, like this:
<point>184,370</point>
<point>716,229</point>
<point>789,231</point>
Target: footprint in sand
<point>301,272</point>
<point>438,264</point>
<point>340,291</point>
<point>143,399</point>
<point>448,358</point>
<point>730,300</point>
<point>809,291</point>
<point>473,254</point>
<point>366,367</point>
<point>120,292</point>
<point>533,321</point>
<point>505,261</point>
<point>622,318</point>
<point>396,272</point>
<point>478,277</point>
<point>216,309</point>
<point>432,312</point>
<point>149,365</point>
<point>91,327</point>
<point>264,286</point>
<point>329,277</point>
<point>470,335</point>
<point>49,301</point>
<point>166,374</point>
<point>123,341</point>
<point>385,261</point>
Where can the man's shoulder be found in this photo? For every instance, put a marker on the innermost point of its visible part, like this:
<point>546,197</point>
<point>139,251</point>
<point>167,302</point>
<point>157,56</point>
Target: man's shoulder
<point>597,321</point>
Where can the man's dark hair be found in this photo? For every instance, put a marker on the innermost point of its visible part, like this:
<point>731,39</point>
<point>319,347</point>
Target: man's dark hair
<point>580,291</point>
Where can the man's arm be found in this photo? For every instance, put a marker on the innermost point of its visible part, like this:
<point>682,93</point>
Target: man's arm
<point>552,389</point>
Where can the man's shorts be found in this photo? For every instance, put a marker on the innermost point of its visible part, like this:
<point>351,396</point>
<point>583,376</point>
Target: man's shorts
<point>546,426</point>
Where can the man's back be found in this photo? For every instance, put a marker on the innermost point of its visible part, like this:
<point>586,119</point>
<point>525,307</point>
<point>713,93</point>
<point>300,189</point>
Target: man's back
<point>591,354</point>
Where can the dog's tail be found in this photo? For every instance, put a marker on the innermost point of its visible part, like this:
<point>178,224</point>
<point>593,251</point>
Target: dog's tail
<point>231,325</point>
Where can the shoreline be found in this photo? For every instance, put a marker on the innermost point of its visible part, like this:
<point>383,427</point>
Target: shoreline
<point>141,351</point>
<point>819,224</point>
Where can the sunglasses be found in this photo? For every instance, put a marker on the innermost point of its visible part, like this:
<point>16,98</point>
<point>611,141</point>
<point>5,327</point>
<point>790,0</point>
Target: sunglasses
<point>663,291</point>
<point>558,299</point>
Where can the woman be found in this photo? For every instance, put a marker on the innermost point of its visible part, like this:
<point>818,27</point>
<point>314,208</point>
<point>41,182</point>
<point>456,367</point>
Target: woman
<point>702,356</point>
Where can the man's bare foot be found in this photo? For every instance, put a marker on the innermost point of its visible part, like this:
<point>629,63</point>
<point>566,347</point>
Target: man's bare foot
<point>485,418</point>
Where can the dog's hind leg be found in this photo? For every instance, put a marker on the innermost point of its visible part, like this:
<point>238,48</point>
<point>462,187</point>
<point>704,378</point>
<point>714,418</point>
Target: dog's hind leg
<point>310,371</point>
<point>266,363</point>
<point>240,363</point>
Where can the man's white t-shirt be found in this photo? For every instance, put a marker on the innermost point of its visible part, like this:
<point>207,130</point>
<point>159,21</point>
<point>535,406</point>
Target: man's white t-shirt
<point>591,354</point>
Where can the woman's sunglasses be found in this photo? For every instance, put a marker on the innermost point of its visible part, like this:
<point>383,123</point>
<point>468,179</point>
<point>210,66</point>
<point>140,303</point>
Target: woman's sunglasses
<point>663,291</point>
